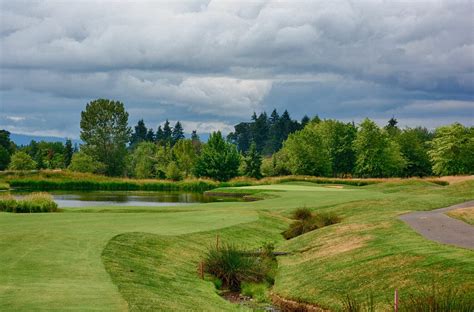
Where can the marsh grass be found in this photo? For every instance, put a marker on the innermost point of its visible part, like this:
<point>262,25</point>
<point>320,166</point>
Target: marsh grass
<point>437,299</point>
<point>32,203</point>
<point>233,266</point>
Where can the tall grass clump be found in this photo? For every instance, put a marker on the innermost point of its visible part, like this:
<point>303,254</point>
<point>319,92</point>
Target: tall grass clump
<point>234,266</point>
<point>351,304</point>
<point>435,299</point>
<point>306,221</point>
<point>32,203</point>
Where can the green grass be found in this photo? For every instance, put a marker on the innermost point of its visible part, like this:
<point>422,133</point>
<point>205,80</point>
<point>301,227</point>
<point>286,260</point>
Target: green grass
<point>147,259</point>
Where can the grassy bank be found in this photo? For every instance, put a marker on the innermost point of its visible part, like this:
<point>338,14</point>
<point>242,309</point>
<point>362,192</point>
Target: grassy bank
<point>147,258</point>
<point>463,214</point>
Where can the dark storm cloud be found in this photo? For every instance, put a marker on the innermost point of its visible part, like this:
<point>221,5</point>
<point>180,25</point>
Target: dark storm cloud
<point>217,62</point>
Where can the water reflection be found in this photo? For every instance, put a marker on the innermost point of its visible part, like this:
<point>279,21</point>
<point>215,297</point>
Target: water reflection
<point>77,199</point>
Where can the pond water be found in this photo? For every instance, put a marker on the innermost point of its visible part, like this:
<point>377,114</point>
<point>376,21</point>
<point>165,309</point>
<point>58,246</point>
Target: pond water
<point>79,199</point>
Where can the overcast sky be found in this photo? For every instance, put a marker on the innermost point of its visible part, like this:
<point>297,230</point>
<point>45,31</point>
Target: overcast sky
<point>212,63</point>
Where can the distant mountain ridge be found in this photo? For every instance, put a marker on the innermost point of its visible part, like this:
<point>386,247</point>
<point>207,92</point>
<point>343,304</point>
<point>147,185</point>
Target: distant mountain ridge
<point>25,139</point>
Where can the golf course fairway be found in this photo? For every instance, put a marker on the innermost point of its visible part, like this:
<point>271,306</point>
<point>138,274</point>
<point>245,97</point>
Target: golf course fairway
<point>146,258</point>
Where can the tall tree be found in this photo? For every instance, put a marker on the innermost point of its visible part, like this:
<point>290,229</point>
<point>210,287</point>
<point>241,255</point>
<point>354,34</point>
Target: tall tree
<point>414,144</point>
<point>139,135</point>
<point>241,136</point>
<point>338,137</point>
<point>253,162</point>
<point>167,133</point>
<point>260,129</point>
<point>307,152</point>
<point>185,156</point>
<point>159,136</point>
<point>68,152</point>
<point>143,160</point>
<point>218,160</point>
<point>392,129</point>
<point>6,149</point>
<point>177,134</point>
<point>376,155</point>
<point>150,135</point>
<point>105,132</point>
<point>452,150</point>
<point>197,145</point>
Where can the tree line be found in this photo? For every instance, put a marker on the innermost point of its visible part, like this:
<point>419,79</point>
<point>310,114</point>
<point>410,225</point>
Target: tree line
<point>265,146</point>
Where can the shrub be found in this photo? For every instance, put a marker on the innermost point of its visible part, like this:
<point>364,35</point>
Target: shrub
<point>351,304</point>
<point>302,214</point>
<point>326,218</point>
<point>233,266</point>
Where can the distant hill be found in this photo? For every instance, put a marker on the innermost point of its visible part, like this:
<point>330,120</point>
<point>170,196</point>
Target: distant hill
<point>24,139</point>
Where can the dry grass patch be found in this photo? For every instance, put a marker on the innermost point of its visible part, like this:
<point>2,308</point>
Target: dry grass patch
<point>464,214</point>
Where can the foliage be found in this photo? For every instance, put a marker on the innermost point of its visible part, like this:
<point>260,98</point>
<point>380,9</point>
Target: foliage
<point>4,158</point>
<point>308,152</point>
<point>34,202</point>
<point>105,132</point>
<point>234,266</point>
<point>22,161</point>
<point>139,135</point>
<point>143,160</point>
<point>185,153</point>
<point>218,160</point>
<point>252,163</point>
<point>68,153</point>
<point>452,150</point>
<point>173,172</point>
<point>82,162</point>
<point>177,133</point>
<point>268,133</point>
<point>163,157</point>
<point>414,143</point>
<point>376,154</point>
<point>437,299</point>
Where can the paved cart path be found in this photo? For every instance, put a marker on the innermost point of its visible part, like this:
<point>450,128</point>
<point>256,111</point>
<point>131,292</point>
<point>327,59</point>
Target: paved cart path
<point>437,226</point>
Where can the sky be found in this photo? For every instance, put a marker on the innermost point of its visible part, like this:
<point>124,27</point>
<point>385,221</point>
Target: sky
<point>211,64</point>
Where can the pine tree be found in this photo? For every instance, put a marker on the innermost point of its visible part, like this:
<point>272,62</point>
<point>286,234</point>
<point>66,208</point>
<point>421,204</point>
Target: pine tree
<point>177,134</point>
<point>253,162</point>
<point>159,136</point>
<point>139,135</point>
<point>68,152</point>
<point>167,133</point>
<point>150,136</point>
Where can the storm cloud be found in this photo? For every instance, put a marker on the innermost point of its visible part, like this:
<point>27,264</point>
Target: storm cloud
<point>212,63</point>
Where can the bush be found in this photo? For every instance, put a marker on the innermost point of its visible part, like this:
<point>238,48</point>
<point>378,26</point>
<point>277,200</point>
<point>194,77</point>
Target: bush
<point>306,222</point>
<point>302,214</point>
<point>35,202</point>
<point>233,266</point>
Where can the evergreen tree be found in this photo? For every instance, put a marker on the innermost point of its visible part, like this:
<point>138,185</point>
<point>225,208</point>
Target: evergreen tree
<point>159,136</point>
<point>6,149</point>
<point>392,129</point>
<point>253,162</point>
<point>195,136</point>
<point>304,121</point>
<point>218,160</point>
<point>260,130</point>
<point>177,134</point>
<point>167,133</point>
<point>414,143</point>
<point>68,152</point>
<point>150,136</point>
<point>139,135</point>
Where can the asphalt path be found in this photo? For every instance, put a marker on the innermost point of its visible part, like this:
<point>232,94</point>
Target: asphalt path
<point>435,225</point>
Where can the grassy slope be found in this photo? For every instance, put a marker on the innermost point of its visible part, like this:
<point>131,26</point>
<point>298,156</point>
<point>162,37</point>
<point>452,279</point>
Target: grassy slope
<point>463,214</point>
<point>54,260</point>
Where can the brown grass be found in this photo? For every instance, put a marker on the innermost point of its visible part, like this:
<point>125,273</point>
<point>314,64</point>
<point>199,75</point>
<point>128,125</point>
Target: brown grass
<point>464,214</point>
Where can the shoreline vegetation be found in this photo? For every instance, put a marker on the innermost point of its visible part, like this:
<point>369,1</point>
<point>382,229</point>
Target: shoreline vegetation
<point>44,180</point>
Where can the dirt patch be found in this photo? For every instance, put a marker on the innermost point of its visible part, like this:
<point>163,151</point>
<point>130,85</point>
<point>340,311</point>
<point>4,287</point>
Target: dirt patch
<point>335,186</point>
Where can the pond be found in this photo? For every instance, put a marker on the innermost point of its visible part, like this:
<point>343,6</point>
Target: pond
<point>79,199</point>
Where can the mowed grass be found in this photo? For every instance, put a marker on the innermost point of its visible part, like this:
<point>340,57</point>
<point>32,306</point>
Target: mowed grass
<point>146,259</point>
